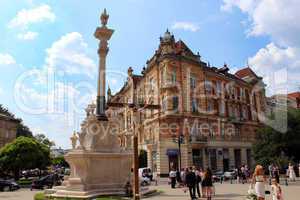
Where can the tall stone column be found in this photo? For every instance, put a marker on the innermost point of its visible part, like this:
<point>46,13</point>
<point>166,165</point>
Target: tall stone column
<point>103,34</point>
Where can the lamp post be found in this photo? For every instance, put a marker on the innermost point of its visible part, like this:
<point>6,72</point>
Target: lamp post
<point>180,140</point>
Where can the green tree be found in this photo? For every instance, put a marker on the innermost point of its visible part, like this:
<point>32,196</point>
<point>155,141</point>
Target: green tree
<point>44,140</point>
<point>60,160</point>
<point>273,146</point>
<point>22,154</point>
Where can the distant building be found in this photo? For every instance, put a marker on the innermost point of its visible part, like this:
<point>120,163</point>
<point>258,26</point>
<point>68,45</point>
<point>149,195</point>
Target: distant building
<point>57,152</point>
<point>216,112</point>
<point>8,129</point>
<point>282,102</point>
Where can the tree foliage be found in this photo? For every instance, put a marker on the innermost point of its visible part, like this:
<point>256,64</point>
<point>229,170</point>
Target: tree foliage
<point>60,160</point>
<point>273,146</point>
<point>44,140</point>
<point>22,154</point>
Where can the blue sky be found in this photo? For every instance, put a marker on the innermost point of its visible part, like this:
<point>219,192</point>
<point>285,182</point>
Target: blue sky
<point>48,51</point>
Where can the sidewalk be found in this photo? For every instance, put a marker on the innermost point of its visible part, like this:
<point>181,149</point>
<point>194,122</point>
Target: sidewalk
<point>224,191</point>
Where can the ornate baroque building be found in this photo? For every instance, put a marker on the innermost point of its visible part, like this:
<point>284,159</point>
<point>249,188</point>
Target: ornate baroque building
<point>8,129</point>
<point>216,113</point>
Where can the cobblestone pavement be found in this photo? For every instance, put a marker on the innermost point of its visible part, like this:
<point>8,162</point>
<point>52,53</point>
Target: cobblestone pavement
<point>224,191</point>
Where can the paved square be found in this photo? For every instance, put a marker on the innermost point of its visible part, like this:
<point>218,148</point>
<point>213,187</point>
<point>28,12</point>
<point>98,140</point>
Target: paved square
<point>225,191</point>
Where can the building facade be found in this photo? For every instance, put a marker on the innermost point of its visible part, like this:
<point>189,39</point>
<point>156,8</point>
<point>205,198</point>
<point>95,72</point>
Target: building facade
<point>8,129</point>
<point>212,112</point>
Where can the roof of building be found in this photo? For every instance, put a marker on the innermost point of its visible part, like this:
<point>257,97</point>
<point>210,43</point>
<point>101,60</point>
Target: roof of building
<point>8,118</point>
<point>247,71</point>
<point>183,51</point>
<point>294,95</point>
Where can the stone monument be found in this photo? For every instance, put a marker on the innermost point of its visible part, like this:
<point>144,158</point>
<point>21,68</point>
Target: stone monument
<point>99,166</point>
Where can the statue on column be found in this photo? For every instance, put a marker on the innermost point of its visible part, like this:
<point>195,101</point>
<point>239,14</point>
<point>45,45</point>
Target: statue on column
<point>74,139</point>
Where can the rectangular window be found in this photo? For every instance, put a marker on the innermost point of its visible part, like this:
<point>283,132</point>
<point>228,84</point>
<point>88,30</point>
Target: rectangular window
<point>213,158</point>
<point>210,106</point>
<point>230,113</point>
<point>151,84</point>
<point>222,107</point>
<point>242,93</point>
<point>245,113</point>
<point>164,104</point>
<point>175,102</point>
<point>208,86</point>
<point>194,105</point>
<point>193,82</point>
<point>197,158</point>
<point>174,76</point>
<point>219,88</point>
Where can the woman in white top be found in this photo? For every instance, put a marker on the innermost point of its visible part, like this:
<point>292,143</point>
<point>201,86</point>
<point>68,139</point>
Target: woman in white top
<point>291,172</point>
<point>259,180</point>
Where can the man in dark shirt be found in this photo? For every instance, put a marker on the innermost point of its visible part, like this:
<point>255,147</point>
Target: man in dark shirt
<point>191,182</point>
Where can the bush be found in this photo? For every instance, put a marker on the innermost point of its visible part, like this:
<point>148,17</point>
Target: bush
<point>39,196</point>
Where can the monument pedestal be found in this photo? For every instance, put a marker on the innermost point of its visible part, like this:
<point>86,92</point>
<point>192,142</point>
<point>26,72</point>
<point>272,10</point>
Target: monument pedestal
<point>95,173</point>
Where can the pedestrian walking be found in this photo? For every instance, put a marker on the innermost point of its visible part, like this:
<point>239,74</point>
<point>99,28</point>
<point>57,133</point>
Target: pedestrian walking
<point>291,172</point>
<point>191,182</point>
<point>276,174</point>
<point>276,190</point>
<point>198,182</point>
<point>182,176</point>
<point>259,179</point>
<point>243,174</point>
<point>207,184</point>
<point>172,176</point>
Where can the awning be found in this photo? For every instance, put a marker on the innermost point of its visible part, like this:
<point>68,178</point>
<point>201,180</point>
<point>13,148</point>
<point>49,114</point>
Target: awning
<point>172,152</point>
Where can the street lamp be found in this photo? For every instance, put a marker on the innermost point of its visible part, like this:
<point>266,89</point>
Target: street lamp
<point>180,140</point>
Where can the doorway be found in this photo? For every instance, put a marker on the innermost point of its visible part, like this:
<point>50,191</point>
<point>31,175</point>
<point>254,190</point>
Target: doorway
<point>173,162</point>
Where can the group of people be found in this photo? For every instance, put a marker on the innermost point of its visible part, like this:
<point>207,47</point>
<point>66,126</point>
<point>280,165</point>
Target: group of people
<point>242,174</point>
<point>195,179</point>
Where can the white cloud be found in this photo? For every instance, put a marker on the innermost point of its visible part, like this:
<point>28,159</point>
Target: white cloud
<point>244,5</point>
<point>26,17</point>
<point>272,62</point>
<point>187,26</point>
<point>279,20</point>
<point>6,59</point>
<point>275,57</point>
<point>69,54</point>
<point>28,35</point>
